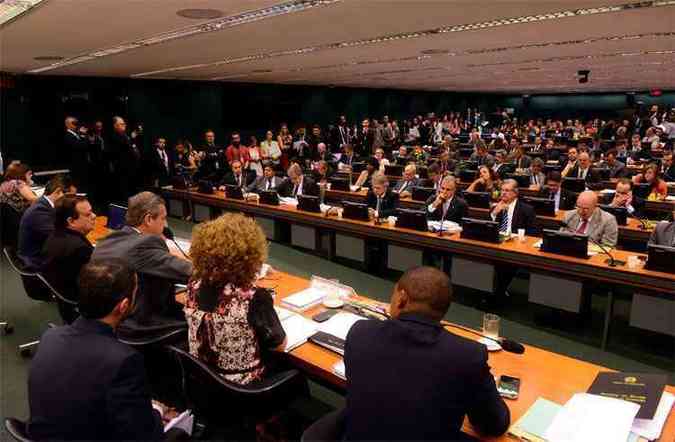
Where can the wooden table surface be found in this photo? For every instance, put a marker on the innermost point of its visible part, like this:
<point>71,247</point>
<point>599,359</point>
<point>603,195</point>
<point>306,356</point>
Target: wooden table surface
<point>512,252</point>
<point>542,373</point>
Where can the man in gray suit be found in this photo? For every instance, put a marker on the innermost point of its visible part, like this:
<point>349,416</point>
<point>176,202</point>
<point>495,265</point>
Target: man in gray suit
<point>664,233</point>
<point>589,219</point>
<point>141,244</point>
<point>269,181</point>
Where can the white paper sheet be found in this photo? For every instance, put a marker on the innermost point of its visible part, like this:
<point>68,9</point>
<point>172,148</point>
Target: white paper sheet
<point>340,324</point>
<point>651,428</point>
<point>184,421</point>
<point>588,417</point>
<point>283,313</point>
<point>304,299</point>
<point>298,329</point>
<point>339,369</point>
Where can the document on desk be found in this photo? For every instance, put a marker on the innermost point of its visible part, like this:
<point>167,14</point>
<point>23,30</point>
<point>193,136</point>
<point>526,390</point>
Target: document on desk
<point>588,417</point>
<point>184,421</point>
<point>298,330</point>
<point>340,370</point>
<point>304,299</point>
<point>651,428</point>
<point>288,201</point>
<point>340,324</point>
<point>533,424</point>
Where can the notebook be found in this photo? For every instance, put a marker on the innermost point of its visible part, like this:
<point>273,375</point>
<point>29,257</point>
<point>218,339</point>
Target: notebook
<point>304,299</point>
<point>298,329</point>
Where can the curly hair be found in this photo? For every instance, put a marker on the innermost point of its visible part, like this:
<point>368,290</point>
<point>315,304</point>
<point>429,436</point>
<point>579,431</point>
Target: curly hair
<point>228,250</point>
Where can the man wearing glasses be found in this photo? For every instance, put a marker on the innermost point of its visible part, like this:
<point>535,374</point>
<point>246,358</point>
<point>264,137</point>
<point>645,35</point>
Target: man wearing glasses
<point>588,219</point>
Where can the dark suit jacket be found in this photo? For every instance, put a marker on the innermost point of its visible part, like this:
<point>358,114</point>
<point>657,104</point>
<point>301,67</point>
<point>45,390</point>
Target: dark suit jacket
<point>408,188</point>
<point>77,148</point>
<point>65,252</point>
<point>568,200</point>
<point>36,224</point>
<point>524,217</point>
<point>247,179</point>
<point>458,209</point>
<point>669,174</point>
<point>663,234</point>
<point>410,379</point>
<point>309,187</point>
<point>86,385</point>
<point>388,205</point>
<point>157,269</point>
<point>155,168</point>
<point>348,161</point>
<point>364,142</point>
<point>593,178</point>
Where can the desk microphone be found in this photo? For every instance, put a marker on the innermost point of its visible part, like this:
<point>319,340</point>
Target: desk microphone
<point>611,261</point>
<point>168,234</point>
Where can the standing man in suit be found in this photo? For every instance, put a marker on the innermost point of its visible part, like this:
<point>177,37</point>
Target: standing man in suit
<point>511,213</point>
<point>589,219</point>
<point>405,185</point>
<point>623,197</point>
<point>269,181</point>
<point>83,383</point>
<point>564,199</point>
<point>126,161</point>
<point>447,376</point>
<point>340,135</point>
<point>160,164</point>
<point>298,184</point>
<point>664,233</point>
<point>37,223</point>
<point>77,147</point>
<point>584,171</point>
<point>141,243</point>
<point>365,139</point>
<point>446,204</point>
<point>213,164</point>
<point>238,177</point>
<point>67,248</point>
<point>382,202</point>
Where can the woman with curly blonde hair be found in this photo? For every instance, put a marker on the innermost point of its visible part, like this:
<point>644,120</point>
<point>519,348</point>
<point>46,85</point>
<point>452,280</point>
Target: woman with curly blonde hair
<point>231,322</point>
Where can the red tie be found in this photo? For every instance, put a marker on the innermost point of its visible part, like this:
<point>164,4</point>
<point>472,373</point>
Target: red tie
<point>582,227</point>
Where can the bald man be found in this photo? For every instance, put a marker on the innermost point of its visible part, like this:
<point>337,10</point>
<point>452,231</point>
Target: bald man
<point>589,219</point>
<point>416,376</point>
<point>584,170</point>
<point>407,182</point>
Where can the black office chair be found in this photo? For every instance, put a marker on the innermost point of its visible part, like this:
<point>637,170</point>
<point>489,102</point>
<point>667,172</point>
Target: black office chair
<point>33,287</point>
<point>225,405</point>
<point>9,226</point>
<point>330,427</point>
<point>17,429</point>
<point>67,307</point>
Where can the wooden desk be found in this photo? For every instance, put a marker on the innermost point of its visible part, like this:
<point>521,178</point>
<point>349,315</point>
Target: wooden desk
<point>543,374</point>
<point>633,231</point>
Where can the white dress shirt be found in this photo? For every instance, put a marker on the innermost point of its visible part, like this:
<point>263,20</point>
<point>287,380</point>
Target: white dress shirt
<point>509,209</point>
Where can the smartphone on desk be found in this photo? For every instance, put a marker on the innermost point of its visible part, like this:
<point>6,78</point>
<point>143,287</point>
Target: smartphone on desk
<point>508,387</point>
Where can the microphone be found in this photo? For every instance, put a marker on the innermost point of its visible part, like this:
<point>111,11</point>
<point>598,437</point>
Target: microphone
<point>168,234</point>
<point>611,261</point>
<point>440,230</point>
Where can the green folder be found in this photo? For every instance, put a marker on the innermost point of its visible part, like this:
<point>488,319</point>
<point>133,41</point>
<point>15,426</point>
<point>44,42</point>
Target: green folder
<point>534,423</point>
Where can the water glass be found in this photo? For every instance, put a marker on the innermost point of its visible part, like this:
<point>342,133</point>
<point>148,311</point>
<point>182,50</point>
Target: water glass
<point>491,325</point>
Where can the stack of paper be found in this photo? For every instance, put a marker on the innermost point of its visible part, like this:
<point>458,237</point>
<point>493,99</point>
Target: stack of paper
<point>651,428</point>
<point>184,421</point>
<point>588,417</point>
<point>263,271</point>
<point>339,369</point>
<point>298,329</point>
<point>533,424</point>
<point>448,226</point>
<point>304,299</point>
<point>288,201</point>
<point>283,313</point>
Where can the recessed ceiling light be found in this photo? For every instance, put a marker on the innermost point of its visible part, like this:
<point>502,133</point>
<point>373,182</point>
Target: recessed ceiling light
<point>200,14</point>
<point>48,58</point>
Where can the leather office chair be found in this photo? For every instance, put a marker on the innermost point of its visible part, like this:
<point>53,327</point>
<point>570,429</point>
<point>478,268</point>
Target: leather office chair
<point>17,429</point>
<point>9,226</point>
<point>67,307</point>
<point>328,428</point>
<point>34,288</point>
<point>222,404</point>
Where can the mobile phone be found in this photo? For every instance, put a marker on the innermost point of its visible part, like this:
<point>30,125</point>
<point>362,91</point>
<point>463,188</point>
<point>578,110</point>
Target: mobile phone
<point>324,316</point>
<point>508,387</point>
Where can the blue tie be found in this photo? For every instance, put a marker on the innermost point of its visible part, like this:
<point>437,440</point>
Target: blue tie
<point>504,223</point>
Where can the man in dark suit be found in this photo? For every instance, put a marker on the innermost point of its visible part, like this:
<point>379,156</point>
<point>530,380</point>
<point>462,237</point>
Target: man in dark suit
<point>37,223</point>
<point>67,248</point>
<point>238,177</point>
<point>340,135</point>
<point>269,181</point>
<point>323,154</point>
<point>511,213</point>
<point>623,197</point>
<point>297,184</point>
<point>667,167</point>
<point>213,164</point>
<point>664,233</point>
<point>564,199</point>
<point>402,158</point>
<point>125,158</point>
<point>142,245</point>
<point>347,158</point>
<point>380,199</point>
<point>584,170</point>
<point>617,169</point>
<point>322,172</point>
<point>447,377</point>
<point>83,383</point>
<point>159,164</point>
<point>365,138</point>
<point>77,149</point>
<point>446,204</point>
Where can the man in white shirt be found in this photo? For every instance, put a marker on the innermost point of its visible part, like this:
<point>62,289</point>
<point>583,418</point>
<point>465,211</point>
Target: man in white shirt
<point>446,204</point>
<point>511,213</point>
<point>404,187</point>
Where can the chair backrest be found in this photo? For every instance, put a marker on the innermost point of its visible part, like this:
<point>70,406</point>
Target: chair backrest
<point>32,284</point>
<point>17,429</point>
<point>9,226</point>
<point>15,262</point>
<point>216,399</point>
<point>67,307</point>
